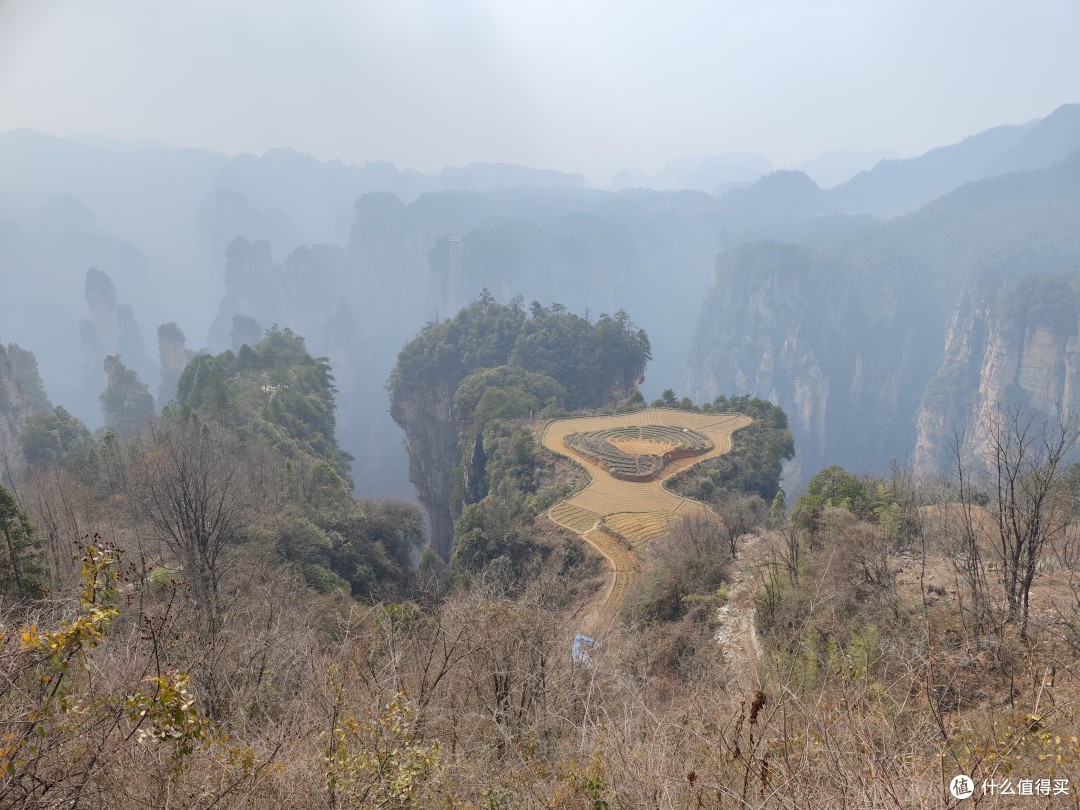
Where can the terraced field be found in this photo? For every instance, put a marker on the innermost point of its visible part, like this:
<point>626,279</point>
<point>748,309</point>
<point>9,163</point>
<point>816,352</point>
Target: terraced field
<point>638,527</point>
<point>624,564</point>
<point>642,447</point>
<point>639,452</point>
<point>619,517</point>
<point>573,517</point>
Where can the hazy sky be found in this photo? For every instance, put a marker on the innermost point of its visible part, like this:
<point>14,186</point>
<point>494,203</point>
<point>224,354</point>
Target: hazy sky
<point>577,85</point>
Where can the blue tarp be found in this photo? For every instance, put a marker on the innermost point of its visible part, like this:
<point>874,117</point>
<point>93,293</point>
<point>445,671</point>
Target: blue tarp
<point>579,654</point>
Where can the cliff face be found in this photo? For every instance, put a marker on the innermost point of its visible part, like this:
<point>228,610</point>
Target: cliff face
<point>1018,343</point>
<point>126,401</point>
<point>422,388</point>
<point>783,326</point>
<point>173,356</point>
<point>21,395</point>
<point>878,337</point>
<point>857,400</point>
<point>111,329</point>
<point>431,440</point>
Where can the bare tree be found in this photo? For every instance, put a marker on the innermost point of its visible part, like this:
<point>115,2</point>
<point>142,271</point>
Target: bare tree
<point>741,514</point>
<point>968,562</point>
<point>56,504</point>
<point>190,483</point>
<point>1027,460</point>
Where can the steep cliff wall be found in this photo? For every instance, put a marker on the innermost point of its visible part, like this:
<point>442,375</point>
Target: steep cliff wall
<point>877,340</point>
<point>431,440</point>
<point>111,329</point>
<point>173,357</point>
<point>21,395</point>
<point>1017,342</point>
<point>785,326</point>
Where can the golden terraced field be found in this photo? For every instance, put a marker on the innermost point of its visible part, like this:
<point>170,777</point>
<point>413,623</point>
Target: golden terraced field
<point>638,527</point>
<point>634,447</point>
<point>636,511</point>
<point>573,517</point>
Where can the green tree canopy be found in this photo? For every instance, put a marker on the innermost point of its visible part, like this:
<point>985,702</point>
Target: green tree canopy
<point>54,439</point>
<point>21,555</point>
<point>504,393</point>
<point>835,486</point>
<point>275,389</point>
<point>758,451</point>
<point>594,364</point>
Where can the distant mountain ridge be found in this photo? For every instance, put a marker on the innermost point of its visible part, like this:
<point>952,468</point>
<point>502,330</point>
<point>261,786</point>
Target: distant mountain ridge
<point>902,185</point>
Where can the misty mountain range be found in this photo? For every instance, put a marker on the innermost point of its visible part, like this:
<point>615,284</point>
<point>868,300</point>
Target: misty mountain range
<point>840,304</point>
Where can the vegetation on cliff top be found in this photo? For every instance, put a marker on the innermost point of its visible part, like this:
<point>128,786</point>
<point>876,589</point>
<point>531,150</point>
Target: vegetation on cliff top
<point>275,390</point>
<point>593,362</point>
<point>476,376</point>
<point>244,464</point>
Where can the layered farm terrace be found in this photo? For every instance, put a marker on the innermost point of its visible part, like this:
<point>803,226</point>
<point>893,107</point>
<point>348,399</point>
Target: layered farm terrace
<point>637,453</point>
<point>628,457</point>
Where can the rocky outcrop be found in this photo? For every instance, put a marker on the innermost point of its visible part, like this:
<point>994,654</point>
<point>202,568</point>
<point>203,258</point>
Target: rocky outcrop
<point>126,401</point>
<point>111,329</point>
<point>104,310</point>
<point>21,396</point>
<point>878,340</point>
<point>855,401</point>
<point>431,440</point>
<point>438,389</point>
<point>173,356</point>
<point>775,328</point>
<point>1017,343</point>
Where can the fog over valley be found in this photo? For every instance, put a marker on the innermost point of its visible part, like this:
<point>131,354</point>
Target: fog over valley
<point>104,245</point>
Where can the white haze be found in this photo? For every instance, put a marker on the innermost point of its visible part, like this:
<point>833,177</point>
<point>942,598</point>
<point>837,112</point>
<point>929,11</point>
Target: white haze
<point>693,95</point>
<point>590,87</point>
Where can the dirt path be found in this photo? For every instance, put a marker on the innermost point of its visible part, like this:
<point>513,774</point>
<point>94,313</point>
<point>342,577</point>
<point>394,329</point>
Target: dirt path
<point>736,633</point>
<point>638,511</point>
